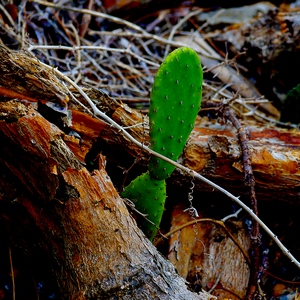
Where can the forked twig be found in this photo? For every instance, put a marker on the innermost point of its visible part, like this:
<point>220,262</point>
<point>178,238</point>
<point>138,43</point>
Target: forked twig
<point>249,182</point>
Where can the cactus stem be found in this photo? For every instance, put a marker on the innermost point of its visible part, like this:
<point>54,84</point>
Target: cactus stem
<point>173,85</point>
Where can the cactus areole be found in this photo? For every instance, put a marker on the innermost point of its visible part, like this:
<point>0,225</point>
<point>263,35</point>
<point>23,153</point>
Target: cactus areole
<point>175,102</point>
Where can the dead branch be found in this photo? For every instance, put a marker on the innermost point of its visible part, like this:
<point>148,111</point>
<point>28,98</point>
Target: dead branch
<point>249,182</point>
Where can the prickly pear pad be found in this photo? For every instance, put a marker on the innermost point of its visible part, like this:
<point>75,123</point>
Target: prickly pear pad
<point>149,196</point>
<point>175,101</point>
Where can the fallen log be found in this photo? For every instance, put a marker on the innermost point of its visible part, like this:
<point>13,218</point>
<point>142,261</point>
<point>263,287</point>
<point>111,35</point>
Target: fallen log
<point>50,201</point>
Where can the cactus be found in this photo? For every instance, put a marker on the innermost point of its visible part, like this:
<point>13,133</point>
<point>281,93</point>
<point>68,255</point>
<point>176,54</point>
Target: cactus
<point>174,103</point>
<point>149,196</point>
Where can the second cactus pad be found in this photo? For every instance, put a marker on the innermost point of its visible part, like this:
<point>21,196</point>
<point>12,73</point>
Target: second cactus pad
<point>149,196</point>
<point>175,101</point>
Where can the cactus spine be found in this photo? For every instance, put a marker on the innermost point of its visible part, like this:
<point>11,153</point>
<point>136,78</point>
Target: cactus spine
<point>174,103</point>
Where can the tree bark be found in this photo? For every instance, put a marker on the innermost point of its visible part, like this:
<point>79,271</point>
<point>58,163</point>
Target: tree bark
<point>48,198</point>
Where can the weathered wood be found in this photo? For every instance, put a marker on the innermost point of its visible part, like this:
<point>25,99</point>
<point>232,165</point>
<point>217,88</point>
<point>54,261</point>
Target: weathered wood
<point>26,75</point>
<point>206,255</point>
<point>49,199</point>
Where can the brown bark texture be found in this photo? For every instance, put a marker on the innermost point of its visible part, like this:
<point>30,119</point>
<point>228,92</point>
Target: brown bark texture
<point>50,202</point>
<point>210,254</point>
<point>78,217</point>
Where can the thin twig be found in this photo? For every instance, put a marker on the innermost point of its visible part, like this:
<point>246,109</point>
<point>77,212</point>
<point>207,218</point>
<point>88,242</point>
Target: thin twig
<point>249,182</point>
<point>235,215</point>
<point>7,15</point>
<point>178,25</point>
<point>12,274</point>
<point>100,48</point>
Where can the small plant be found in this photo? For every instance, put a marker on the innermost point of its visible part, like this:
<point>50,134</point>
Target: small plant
<point>174,104</point>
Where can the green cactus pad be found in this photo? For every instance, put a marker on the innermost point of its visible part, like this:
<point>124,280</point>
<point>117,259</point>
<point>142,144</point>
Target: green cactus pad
<point>149,196</point>
<point>175,101</point>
